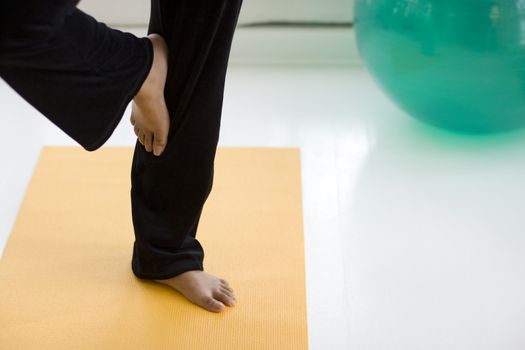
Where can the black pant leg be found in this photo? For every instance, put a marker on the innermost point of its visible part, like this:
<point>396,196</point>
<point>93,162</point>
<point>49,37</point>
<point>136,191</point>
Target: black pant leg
<point>168,192</point>
<point>76,71</point>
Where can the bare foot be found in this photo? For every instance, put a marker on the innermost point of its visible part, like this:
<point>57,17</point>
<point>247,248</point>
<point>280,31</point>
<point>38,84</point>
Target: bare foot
<point>203,289</point>
<point>149,114</point>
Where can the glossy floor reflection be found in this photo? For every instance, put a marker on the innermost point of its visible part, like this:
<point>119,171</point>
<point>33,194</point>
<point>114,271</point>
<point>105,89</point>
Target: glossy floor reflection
<point>414,236</point>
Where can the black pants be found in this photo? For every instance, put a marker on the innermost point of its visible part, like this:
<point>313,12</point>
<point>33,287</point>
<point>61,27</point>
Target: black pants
<point>81,75</point>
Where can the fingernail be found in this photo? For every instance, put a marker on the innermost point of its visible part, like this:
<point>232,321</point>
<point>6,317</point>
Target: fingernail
<point>156,151</point>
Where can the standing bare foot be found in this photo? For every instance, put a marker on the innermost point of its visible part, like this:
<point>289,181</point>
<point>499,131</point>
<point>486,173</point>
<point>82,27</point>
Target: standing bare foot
<point>203,289</point>
<point>149,113</point>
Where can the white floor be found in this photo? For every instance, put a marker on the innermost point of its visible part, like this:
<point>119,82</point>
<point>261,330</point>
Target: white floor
<point>415,237</point>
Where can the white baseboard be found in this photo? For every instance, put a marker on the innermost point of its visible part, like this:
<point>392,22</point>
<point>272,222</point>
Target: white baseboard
<point>296,46</point>
<point>289,46</point>
<point>137,12</point>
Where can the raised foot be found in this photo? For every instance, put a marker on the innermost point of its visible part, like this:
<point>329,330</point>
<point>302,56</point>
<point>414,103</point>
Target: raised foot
<point>149,113</point>
<point>203,289</point>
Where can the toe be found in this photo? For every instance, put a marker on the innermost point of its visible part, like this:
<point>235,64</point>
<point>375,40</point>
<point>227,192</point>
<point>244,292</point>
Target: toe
<point>160,138</point>
<point>148,142</point>
<point>212,304</point>
<point>226,285</point>
<point>159,142</point>
<point>142,136</point>
<point>224,282</point>
<point>229,294</point>
<point>225,298</point>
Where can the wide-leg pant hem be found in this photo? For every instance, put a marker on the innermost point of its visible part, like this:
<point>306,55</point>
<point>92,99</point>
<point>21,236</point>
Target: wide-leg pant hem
<point>178,267</point>
<point>78,72</point>
<point>137,84</point>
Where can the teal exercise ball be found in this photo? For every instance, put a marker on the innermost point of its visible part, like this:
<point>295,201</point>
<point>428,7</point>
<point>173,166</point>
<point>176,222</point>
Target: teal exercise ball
<point>456,64</point>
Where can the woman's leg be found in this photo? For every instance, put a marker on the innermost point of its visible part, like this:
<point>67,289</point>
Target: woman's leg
<point>77,72</point>
<point>168,192</point>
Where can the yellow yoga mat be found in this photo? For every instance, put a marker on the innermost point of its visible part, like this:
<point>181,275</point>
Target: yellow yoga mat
<point>66,279</point>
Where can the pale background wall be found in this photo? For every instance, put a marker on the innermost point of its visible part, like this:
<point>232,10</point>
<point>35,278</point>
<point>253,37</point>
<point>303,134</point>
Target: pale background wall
<point>137,11</point>
<point>289,45</point>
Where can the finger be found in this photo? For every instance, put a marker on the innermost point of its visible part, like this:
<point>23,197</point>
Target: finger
<point>136,130</point>
<point>142,136</point>
<point>132,119</point>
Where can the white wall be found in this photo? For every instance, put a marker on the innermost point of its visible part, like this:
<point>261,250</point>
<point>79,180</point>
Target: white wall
<point>136,12</point>
<point>281,45</point>
<point>297,10</point>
